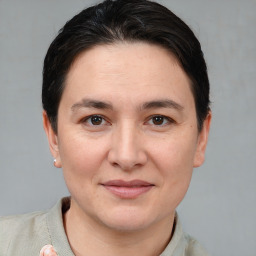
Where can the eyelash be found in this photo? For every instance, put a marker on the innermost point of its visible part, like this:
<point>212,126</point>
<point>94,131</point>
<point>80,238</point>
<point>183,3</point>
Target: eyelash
<point>166,119</point>
<point>85,120</point>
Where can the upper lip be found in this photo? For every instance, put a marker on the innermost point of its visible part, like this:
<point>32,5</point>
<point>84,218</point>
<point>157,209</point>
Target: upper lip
<point>131,183</point>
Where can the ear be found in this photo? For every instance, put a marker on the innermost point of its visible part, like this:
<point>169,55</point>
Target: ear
<point>52,140</point>
<point>202,141</point>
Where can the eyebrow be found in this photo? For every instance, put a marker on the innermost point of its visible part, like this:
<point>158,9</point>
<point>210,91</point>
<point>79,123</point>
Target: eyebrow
<point>165,103</point>
<point>89,103</point>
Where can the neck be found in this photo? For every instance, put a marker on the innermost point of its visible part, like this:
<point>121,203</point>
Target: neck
<point>89,237</point>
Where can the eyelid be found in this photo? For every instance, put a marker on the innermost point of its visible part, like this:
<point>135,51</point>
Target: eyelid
<point>169,119</point>
<point>85,119</point>
<point>107,122</point>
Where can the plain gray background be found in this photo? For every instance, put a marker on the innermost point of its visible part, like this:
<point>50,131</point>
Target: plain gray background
<point>220,207</point>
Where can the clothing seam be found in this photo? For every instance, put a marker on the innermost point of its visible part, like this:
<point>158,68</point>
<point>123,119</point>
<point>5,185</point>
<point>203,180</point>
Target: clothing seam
<point>48,229</point>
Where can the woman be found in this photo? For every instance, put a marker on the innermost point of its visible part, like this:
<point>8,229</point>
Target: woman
<point>126,112</point>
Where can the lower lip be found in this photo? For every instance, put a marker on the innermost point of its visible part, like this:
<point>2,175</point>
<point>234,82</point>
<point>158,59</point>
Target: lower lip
<point>128,192</point>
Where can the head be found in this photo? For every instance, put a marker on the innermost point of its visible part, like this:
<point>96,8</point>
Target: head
<point>126,111</point>
<point>124,21</point>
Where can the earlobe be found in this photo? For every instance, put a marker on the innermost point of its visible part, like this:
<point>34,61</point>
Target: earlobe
<point>202,141</point>
<point>52,140</point>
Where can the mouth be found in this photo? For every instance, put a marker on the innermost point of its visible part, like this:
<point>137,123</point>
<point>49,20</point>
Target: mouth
<point>127,189</point>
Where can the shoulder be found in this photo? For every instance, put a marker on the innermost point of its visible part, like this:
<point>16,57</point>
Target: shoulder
<point>17,220</point>
<point>21,230</point>
<point>193,247</point>
<point>26,234</point>
<point>182,244</point>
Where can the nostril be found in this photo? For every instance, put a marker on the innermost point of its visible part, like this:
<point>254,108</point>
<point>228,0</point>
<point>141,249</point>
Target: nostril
<point>115,164</point>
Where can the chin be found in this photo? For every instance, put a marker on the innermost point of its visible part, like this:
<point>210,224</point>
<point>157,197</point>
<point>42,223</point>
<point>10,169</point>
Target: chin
<point>125,225</point>
<point>126,220</point>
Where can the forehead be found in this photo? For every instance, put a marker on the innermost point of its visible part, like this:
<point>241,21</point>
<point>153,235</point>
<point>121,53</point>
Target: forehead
<point>122,69</point>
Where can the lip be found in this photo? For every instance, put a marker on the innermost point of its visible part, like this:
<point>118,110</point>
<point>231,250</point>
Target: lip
<point>127,189</point>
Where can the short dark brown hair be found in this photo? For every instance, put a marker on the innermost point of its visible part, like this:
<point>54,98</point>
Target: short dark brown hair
<point>124,20</point>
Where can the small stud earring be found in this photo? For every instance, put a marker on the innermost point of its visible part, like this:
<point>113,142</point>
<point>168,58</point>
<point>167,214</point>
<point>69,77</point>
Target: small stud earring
<point>54,162</point>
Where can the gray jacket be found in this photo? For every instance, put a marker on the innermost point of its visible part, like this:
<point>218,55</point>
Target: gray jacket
<point>25,235</point>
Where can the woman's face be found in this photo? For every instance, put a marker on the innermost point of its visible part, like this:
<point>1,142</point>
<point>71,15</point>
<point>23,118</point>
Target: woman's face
<point>127,135</point>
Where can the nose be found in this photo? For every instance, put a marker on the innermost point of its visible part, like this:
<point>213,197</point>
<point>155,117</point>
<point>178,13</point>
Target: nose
<point>127,148</point>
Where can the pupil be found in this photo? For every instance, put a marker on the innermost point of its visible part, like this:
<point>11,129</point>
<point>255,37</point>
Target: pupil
<point>158,120</point>
<point>96,120</point>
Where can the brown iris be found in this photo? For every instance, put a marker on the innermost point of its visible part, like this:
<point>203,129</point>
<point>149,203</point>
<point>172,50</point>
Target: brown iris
<point>158,120</point>
<point>96,120</point>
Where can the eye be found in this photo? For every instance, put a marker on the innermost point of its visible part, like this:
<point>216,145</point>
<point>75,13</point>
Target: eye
<point>159,120</point>
<point>95,120</point>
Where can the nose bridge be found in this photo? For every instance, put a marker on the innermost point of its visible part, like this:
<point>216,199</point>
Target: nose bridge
<point>126,150</point>
<point>127,140</point>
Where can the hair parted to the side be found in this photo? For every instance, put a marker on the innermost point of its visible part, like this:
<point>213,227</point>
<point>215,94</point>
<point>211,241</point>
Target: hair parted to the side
<point>124,20</point>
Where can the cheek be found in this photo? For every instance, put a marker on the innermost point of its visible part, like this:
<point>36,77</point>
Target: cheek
<point>174,159</point>
<point>174,153</point>
<point>81,157</point>
<point>175,166</point>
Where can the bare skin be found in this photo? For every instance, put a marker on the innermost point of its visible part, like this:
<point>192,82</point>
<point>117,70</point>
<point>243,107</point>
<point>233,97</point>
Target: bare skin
<point>115,242</point>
